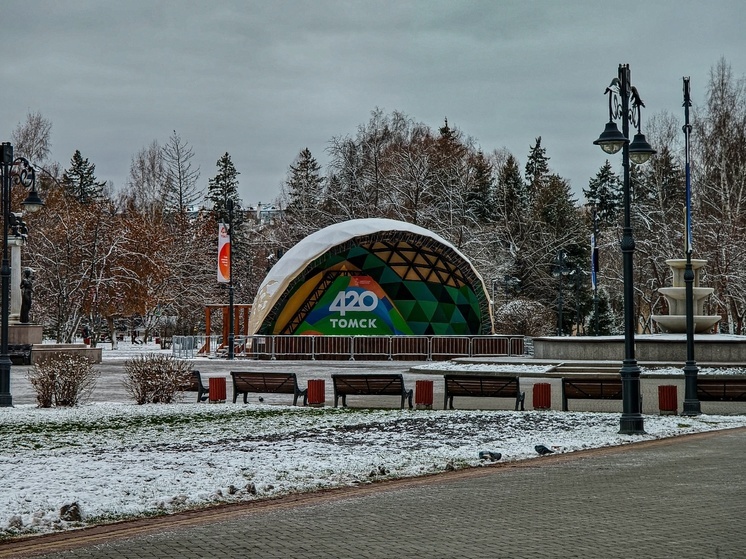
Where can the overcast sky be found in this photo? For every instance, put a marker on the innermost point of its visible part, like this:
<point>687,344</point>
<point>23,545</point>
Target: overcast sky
<point>262,80</point>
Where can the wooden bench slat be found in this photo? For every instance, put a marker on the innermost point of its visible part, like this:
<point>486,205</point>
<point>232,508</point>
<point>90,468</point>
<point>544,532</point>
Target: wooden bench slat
<point>591,387</point>
<point>257,382</point>
<point>374,384</point>
<point>482,386</point>
<point>598,390</point>
<point>721,390</point>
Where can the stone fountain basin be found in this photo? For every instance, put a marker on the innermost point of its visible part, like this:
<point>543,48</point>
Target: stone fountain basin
<point>680,263</point>
<point>679,293</point>
<point>677,323</point>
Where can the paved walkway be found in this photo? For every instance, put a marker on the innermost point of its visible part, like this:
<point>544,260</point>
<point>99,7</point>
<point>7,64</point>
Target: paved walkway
<point>678,498</point>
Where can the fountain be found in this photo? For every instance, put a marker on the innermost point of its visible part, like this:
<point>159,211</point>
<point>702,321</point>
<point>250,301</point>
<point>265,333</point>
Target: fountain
<point>669,347</point>
<point>675,320</point>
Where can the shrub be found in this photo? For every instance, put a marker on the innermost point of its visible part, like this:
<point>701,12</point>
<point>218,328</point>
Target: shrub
<point>525,317</point>
<point>156,378</point>
<point>62,379</point>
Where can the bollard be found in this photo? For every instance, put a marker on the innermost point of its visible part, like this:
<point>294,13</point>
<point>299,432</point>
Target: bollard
<point>316,393</point>
<point>668,399</point>
<point>423,394</point>
<point>542,396</point>
<point>217,390</point>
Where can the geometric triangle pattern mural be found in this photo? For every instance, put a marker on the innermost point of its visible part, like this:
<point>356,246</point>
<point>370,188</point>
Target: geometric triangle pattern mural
<point>384,283</point>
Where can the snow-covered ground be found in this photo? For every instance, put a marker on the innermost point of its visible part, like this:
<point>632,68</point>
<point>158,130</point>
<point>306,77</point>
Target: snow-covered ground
<point>117,460</point>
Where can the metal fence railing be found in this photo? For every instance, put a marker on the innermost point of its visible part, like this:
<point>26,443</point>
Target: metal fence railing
<point>405,348</point>
<point>187,347</point>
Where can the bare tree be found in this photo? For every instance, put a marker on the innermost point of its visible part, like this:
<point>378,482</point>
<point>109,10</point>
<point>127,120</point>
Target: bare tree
<point>182,191</point>
<point>31,139</point>
<point>719,180</point>
<point>147,184</point>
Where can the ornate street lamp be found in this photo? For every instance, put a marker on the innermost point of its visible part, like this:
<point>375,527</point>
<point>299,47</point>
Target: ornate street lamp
<point>620,93</point>
<point>19,171</point>
<point>231,332</point>
<point>691,401</point>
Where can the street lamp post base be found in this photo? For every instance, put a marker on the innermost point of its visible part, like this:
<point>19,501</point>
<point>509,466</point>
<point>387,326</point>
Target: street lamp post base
<point>691,408</point>
<point>691,401</point>
<point>631,424</point>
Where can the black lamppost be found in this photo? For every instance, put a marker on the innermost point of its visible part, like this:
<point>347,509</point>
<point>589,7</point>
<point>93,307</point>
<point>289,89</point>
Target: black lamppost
<point>20,171</point>
<point>691,401</point>
<point>620,92</point>
<point>231,333</point>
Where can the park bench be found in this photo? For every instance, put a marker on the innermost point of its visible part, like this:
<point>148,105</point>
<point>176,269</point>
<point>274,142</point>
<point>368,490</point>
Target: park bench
<point>378,384</point>
<point>591,387</point>
<point>20,354</point>
<point>483,386</point>
<point>195,385</point>
<point>258,382</point>
<point>721,389</point>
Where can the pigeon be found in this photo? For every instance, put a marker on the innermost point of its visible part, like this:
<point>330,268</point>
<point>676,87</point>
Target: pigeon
<point>636,96</point>
<point>261,399</point>
<point>541,449</point>
<point>614,83</point>
<point>489,455</point>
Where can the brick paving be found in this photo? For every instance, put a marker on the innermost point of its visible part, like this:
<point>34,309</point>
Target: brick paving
<point>679,498</point>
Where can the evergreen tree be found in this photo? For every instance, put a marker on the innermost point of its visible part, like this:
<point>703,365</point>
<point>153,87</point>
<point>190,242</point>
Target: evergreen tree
<point>607,323</point>
<point>537,169</point>
<point>605,193</point>
<point>79,181</point>
<point>555,207</point>
<point>662,180</point>
<point>512,195</point>
<point>447,135</point>
<point>223,186</point>
<point>558,225</point>
<point>452,174</point>
<point>303,191</point>
<point>481,197</point>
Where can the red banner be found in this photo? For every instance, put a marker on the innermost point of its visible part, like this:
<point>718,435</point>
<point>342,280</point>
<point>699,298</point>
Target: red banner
<point>224,254</point>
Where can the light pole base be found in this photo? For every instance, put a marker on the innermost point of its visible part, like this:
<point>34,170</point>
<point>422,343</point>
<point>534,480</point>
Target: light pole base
<point>631,424</point>
<point>691,401</point>
<point>231,346</point>
<point>691,408</point>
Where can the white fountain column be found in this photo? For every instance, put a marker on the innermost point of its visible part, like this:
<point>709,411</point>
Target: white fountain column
<point>675,320</point>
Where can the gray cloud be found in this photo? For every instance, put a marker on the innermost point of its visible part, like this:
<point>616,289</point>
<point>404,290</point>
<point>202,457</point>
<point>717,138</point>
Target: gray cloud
<point>262,80</point>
